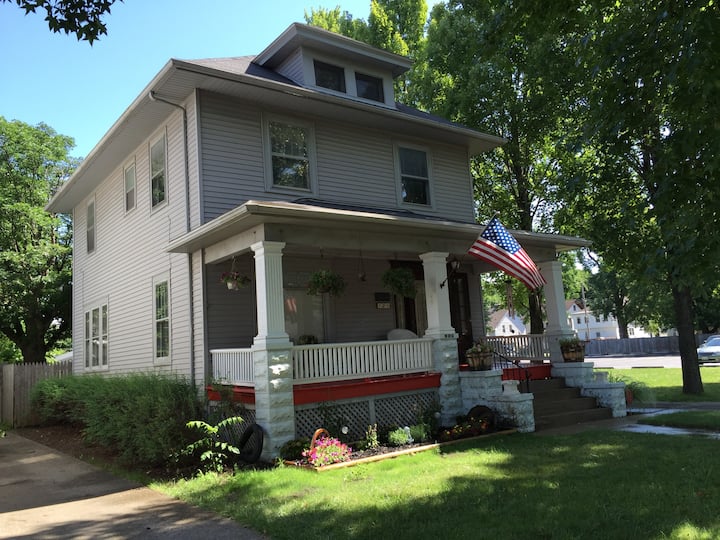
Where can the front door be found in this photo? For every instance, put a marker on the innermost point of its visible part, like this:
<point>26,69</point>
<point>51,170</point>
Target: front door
<point>460,316</point>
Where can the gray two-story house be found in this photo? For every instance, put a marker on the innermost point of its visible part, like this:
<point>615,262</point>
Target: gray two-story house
<point>271,168</point>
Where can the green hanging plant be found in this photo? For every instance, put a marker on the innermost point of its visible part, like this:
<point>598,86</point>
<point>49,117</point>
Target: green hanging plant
<point>325,281</point>
<point>400,281</point>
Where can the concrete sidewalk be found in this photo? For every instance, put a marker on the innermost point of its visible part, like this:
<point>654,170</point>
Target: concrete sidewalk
<point>46,494</point>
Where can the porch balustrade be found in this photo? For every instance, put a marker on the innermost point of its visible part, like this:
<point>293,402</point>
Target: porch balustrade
<point>332,361</point>
<point>233,366</point>
<point>529,347</point>
<point>343,361</point>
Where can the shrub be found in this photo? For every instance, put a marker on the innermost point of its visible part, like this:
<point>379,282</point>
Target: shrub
<point>420,432</point>
<point>210,450</point>
<point>142,417</point>
<point>399,437</point>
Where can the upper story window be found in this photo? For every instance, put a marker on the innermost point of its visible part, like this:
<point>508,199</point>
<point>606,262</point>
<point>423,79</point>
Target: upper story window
<point>369,87</point>
<point>291,151</point>
<point>90,226</point>
<point>329,76</point>
<point>158,177</point>
<point>414,176</point>
<point>130,187</point>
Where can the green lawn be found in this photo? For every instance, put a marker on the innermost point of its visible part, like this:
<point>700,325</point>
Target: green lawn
<point>666,383</point>
<point>708,420</point>
<point>597,484</point>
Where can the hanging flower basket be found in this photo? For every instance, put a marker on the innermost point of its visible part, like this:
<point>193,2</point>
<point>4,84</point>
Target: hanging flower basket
<point>234,280</point>
<point>325,281</point>
<point>400,281</point>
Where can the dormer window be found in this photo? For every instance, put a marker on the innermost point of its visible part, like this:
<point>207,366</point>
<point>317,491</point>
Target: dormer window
<point>369,87</point>
<point>329,76</point>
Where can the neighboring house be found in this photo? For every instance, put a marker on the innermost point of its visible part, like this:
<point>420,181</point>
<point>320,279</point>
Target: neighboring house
<point>588,325</point>
<point>502,324</point>
<point>275,166</point>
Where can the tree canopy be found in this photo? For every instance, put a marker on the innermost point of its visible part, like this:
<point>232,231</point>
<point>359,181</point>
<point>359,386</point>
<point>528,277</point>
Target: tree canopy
<point>35,247</point>
<point>80,17</point>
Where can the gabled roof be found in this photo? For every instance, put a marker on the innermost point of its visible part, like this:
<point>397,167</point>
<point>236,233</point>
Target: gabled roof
<point>247,78</point>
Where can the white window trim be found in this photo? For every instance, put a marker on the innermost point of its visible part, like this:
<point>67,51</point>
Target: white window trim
<point>398,176</point>
<point>157,280</point>
<point>153,142</point>
<point>126,167</point>
<point>267,151</point>
<point>103,335</point>
<point>91,230</point>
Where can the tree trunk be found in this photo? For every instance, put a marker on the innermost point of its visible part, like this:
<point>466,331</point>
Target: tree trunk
<point>682,303</point>
<point>537,325</point>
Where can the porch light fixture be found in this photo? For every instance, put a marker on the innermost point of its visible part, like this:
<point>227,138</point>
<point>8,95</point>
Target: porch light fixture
<point>454,267</point>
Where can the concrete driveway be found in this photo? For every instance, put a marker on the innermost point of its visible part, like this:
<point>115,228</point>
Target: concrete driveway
<point>46,494</point>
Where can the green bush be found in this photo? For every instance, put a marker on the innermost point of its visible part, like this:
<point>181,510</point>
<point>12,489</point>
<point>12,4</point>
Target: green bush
<point>399,437</point>
<point>142,417</point>
<point>420,432</point>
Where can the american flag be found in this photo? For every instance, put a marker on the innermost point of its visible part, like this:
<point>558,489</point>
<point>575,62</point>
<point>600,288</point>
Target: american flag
<point>497,246</point>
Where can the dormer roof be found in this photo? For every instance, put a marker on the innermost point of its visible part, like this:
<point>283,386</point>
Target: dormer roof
<point>299,35</point>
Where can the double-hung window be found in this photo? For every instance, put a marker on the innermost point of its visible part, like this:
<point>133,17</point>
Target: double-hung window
<point>291,154</point>
<point>96,337</point>
<point>161,316</point>
<point>90,226</point>
<point>158,176</point>
<point>129,174</point>
<point>414,176</point>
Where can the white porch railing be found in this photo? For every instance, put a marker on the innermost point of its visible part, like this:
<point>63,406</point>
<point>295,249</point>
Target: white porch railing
<point>233,366</point>
<point>342,361</point>
<point>331,361</point>
<point>533,347</point>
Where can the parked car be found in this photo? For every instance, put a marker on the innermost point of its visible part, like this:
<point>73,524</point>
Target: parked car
<point>709,351</point>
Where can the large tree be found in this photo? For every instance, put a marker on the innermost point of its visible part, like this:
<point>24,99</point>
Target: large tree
<point>35,247</point>
<point>651,119</point>
<point>80,17</point>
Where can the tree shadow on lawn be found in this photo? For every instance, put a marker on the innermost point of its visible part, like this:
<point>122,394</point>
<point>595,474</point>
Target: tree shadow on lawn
<point>675,394</point>
<point>601,484</point>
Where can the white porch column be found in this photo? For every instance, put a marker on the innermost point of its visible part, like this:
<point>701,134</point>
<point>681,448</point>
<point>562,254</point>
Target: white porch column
<point>272,352</point>
<point>437,298</point>
<point>555,307</point>
<point>445,357</point>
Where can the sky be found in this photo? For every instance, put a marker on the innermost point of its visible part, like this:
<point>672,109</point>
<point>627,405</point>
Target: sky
<point>80,90</point>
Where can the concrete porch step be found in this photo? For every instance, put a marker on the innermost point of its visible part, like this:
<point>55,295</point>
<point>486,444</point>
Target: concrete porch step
<point>557,405</point>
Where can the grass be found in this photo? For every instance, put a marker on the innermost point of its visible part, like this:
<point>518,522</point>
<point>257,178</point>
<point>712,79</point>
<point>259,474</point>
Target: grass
<point>666,383</point>
<point>708,420</point>
<point>598,484</point>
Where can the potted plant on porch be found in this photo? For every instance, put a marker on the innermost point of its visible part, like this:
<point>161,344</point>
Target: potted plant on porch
<point>479,356</point>
<point>573,350</point>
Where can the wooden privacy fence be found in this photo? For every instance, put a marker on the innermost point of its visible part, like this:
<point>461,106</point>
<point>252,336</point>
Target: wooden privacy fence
<point>16,384</point>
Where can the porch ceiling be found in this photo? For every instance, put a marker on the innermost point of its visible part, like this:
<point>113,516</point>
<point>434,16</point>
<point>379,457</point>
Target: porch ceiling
<point>307,227</point>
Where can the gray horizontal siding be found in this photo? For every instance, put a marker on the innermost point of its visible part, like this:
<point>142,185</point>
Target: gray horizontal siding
<point>354,166</point>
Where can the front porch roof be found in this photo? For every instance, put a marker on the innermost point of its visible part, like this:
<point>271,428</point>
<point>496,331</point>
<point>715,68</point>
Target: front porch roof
<point>339,226</point>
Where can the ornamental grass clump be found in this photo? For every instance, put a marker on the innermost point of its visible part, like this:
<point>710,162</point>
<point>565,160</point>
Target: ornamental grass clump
<point>326,451</point>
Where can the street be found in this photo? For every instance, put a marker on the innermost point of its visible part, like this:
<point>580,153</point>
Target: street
<point>627,362</point>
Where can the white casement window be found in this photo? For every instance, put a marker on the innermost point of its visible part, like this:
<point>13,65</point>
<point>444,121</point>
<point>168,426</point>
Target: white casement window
<point>161,316</point>
<point>413,170</point>
<point>329,76</point>
<point>158,172</point>
<point>129,174</point>
<point>290,155</point>
<point>369,87</point>
<point>96,337</point>
<point>90,226</point>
